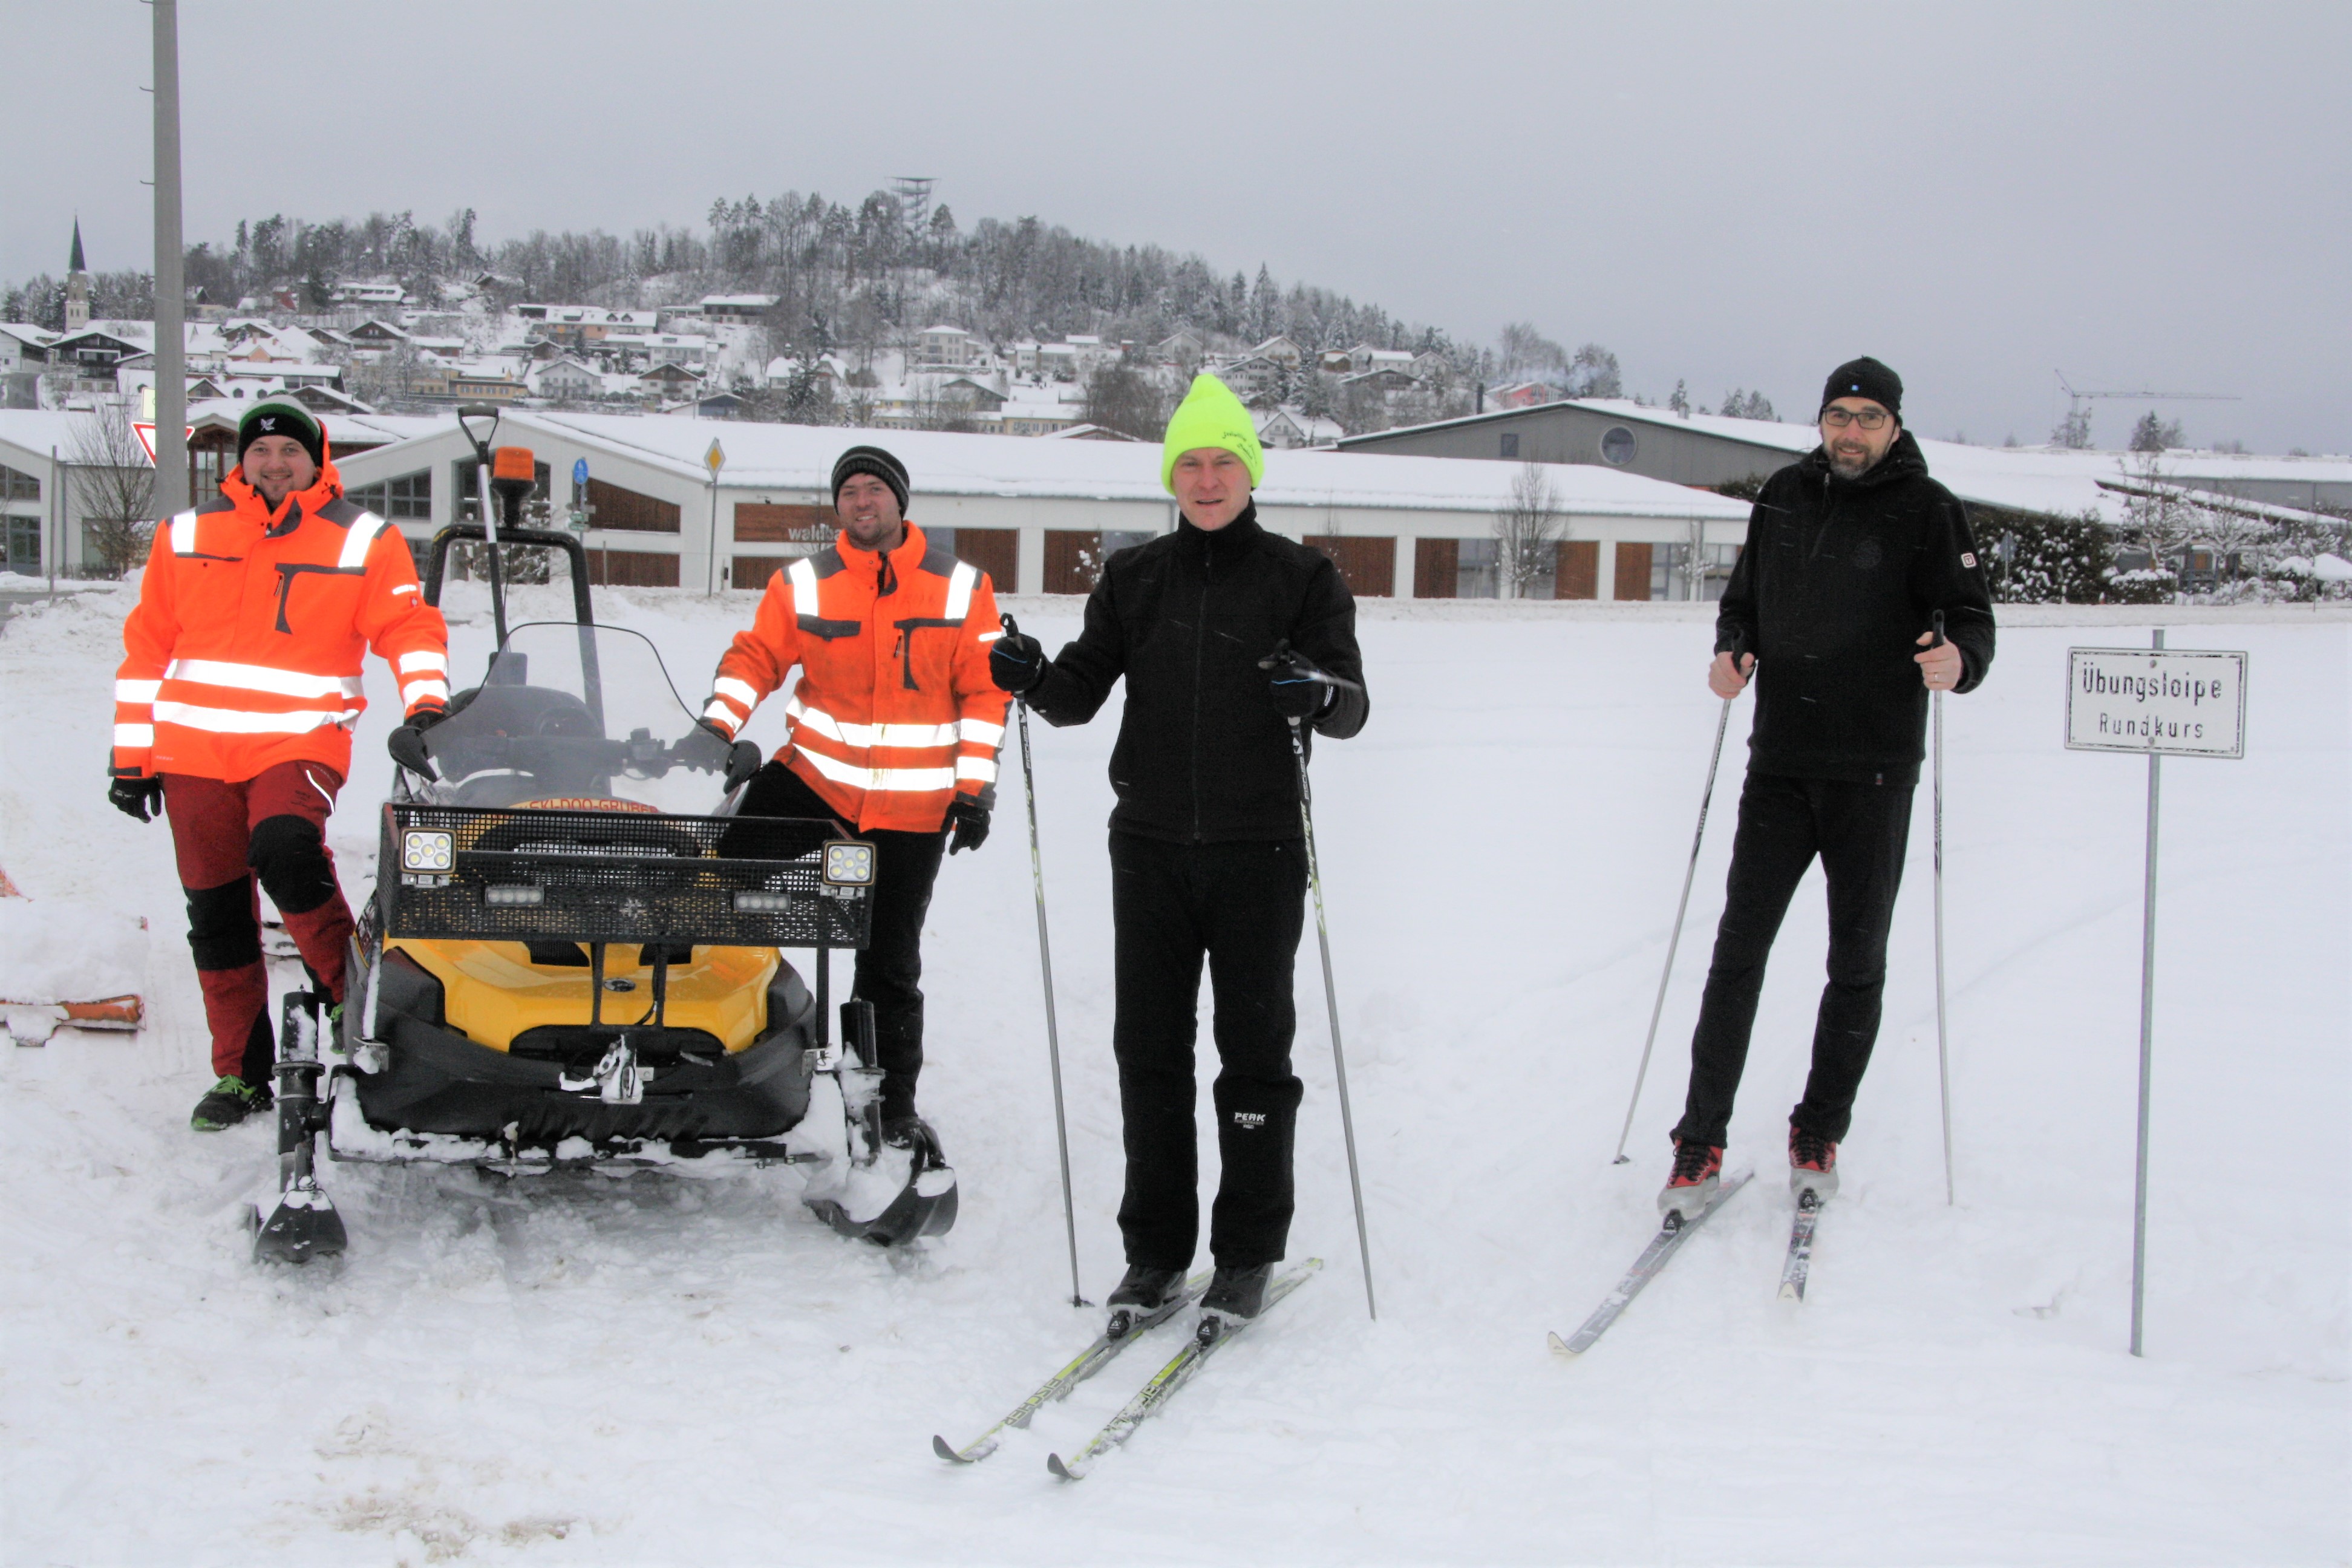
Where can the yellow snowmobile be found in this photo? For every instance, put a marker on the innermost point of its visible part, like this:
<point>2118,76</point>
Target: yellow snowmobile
<point>563,964</point>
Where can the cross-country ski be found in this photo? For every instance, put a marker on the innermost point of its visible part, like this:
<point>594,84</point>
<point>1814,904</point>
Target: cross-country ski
<point>1212,1335</point>
<point>1105,1349</point>
<point>1800,1264</point>
<point>1662,1247</point>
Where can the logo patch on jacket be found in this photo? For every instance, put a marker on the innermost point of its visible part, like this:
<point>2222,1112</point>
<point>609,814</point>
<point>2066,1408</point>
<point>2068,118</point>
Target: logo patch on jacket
<point>1867,554</point>
<point>1969,558</point>
<point>1249,1121</point>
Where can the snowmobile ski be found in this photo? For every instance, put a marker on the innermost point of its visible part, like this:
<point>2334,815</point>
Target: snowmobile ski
<point>1212,1335</point>
<point>1662,1247</point>
<point>1800,1266</point>
<point>1088,1362</point>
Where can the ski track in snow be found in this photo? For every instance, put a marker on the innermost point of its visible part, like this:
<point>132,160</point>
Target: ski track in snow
<point>669,1369</point>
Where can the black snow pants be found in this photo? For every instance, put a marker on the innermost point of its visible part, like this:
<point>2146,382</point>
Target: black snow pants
<point>1860,832</point>
<point>890,970</point>
<point>1244,906</point>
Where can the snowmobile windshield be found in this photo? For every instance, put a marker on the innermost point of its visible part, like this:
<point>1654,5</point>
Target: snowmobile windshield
<point>573,715</point>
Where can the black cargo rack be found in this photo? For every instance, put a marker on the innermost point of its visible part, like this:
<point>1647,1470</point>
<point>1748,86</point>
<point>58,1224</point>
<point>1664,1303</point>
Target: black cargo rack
<point>513,874</point>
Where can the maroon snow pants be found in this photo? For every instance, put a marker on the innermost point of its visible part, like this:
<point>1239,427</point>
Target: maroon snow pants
<point>226,837</point>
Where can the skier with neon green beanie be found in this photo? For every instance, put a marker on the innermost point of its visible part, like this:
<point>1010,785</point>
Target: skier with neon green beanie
<point>1230,638</point>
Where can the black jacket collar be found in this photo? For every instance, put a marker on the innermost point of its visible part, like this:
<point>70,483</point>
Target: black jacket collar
<point>1228,544</point>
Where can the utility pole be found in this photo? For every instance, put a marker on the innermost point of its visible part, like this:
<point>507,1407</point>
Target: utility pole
<point>171,285</point>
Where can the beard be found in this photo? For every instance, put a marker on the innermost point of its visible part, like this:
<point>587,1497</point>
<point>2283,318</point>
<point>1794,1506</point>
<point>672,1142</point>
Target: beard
<point>1851,466</point>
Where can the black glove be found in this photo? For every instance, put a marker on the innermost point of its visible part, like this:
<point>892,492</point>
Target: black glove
<point>1016,663</point>
<point>742,756</point>
<point>1300,688</point>
<point>969,817</point>
<point>406,744</point>
<point>142,798</point>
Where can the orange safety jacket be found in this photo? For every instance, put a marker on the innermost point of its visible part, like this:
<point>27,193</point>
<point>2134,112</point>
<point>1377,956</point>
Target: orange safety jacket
<point>245,649</point>
<point>895,712</point>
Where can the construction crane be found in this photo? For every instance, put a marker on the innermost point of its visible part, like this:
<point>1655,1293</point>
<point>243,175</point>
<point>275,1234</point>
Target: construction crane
<point>2078,419</point>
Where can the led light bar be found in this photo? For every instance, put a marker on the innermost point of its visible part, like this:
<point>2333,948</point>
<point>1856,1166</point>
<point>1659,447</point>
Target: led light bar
<point>849,863</point>
<point>423,849</point>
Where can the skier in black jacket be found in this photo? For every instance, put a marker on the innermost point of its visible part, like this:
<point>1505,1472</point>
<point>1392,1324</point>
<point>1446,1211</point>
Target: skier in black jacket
<point>1850,552</point>
<point>1224,633</point>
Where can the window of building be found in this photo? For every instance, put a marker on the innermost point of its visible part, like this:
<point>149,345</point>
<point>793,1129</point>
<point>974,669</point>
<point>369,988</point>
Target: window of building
<point>15,485</point>
<point>1478,570</point>
<point>468,494</point>
<point>1510,443</point>
<point>408,499</point>
<point>1617,446</point>
<point>25,545</point>
<point>1676,573</point>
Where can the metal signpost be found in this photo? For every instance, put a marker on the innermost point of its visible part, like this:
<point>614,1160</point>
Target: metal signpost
<point>2153,702</point>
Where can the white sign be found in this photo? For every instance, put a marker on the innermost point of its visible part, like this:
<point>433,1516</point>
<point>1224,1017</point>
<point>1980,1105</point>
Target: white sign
<point>2180,702</point>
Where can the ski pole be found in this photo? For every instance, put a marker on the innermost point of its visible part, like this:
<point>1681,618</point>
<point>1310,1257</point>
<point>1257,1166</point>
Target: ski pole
<point>1045,965</point>
<point>1943,1055</point>
<point>1657,1008</point>
<point>1331,1003</point>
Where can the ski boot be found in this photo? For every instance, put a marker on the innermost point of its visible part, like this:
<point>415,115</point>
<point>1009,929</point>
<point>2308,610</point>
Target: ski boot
<point>1813,1164</point>
<point>229,1103</point>
<point>1698,1174</point>
<point>1144,1296</point>
<point>1235,1295</point>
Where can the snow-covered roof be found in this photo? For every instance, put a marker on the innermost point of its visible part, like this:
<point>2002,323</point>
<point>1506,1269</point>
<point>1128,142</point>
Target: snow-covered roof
<point>801,456</point>
<point>25,332</point>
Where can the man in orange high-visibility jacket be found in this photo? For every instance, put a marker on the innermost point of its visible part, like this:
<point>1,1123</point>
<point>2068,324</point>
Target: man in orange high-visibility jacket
<point>234,708</point>
<point>895,726</point>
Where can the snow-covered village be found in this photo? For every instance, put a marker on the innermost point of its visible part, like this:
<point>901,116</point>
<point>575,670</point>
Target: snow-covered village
<point>1555,786</point>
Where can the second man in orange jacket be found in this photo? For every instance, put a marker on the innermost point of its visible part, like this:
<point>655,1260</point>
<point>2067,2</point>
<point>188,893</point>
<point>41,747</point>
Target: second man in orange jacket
<point>894,728</point>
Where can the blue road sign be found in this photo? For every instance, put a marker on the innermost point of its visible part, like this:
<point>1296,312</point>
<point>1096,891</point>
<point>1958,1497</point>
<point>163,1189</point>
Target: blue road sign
<point>579,471</point>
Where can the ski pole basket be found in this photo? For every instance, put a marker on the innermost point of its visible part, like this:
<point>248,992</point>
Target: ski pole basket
<point>513,874</point>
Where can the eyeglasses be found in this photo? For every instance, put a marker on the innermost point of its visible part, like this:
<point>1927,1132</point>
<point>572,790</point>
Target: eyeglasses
<point>1869,418</point>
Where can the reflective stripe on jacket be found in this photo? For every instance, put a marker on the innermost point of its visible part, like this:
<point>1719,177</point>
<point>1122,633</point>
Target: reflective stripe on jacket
<point>893,713</point>
<point>245,649</point>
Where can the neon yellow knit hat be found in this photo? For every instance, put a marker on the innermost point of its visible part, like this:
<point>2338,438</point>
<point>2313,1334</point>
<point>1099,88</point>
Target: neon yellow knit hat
<point>1211,415</point>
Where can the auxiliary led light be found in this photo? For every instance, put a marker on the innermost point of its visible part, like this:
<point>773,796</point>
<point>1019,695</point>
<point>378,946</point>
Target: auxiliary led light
<point>514,893</point>
<point>426,850</point>
<point>757,903</point>
<point>849,863</point>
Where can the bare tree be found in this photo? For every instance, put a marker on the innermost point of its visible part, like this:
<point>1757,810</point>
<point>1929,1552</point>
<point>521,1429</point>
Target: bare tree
<point>115,482</point>
<point>1123,398</point>
<point>1528,528</point>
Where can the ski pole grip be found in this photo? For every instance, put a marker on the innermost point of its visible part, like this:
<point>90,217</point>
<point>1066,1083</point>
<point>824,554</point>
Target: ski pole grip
<point>1011,626</point>
<point>1935,624</point>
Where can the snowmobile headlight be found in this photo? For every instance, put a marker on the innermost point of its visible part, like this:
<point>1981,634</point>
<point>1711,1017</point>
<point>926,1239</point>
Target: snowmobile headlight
<point>849,864</point>
<point>749,902</point>
<point>425,850</point>
<point>514,893</point>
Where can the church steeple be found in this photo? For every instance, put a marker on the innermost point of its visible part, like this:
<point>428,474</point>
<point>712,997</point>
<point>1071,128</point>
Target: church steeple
<point>77,285</point>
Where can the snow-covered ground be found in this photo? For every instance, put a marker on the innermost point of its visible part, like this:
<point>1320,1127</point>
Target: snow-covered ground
<point>665,1370</point>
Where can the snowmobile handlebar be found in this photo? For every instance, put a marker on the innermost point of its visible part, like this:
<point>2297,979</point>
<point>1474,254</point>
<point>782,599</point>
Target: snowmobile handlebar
<point>639,755</point>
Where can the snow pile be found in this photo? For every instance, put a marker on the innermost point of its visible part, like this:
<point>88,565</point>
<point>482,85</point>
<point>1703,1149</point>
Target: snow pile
<point>57,951</point>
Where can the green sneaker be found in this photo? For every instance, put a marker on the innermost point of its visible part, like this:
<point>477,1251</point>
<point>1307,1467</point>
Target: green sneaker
<point>229,1103</point>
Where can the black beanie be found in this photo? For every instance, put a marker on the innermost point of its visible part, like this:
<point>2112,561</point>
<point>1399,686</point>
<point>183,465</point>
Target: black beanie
<point>871,460</point>
<point>282,419</point>
<point>1866,377</point>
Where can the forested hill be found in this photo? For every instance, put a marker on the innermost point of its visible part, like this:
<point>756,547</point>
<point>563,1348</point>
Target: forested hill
<point>847,274</point>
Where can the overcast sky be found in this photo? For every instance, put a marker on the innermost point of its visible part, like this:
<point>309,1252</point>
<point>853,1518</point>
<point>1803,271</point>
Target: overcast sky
<point>2152,195</point>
